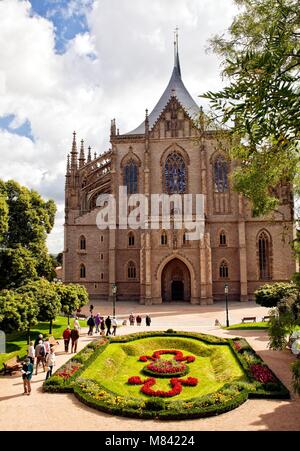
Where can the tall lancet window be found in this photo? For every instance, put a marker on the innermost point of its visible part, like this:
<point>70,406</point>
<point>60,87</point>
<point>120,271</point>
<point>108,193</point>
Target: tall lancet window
<point>131,177</point>
<point>221,174</point>
<point>175,174</point>
<point>264,247</point>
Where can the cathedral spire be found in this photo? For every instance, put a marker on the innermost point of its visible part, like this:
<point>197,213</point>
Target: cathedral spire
<point>176,53</point>
<point>81,156</point>
<point>74,153</point>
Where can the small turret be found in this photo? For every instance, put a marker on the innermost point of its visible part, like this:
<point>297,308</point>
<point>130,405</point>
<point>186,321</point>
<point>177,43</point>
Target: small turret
<point>74,154</point>
<point>89,158</point>
<point>113,128</point>
<point>81,156</point>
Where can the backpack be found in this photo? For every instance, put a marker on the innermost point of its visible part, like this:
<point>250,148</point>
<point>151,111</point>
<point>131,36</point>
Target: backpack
<point>42,351</point>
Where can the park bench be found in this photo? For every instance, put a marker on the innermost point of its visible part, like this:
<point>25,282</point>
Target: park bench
<point>265,318</point>
<point>12,365</point>
<point>249,318</point>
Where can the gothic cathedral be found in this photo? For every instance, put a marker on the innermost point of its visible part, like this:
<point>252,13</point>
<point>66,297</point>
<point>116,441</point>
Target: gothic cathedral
<point>171,152</point>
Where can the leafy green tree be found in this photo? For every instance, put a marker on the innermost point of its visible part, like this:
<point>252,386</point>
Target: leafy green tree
<point>25,221</point>
<point>46,297</point>
<point>17,267</point>
<point>269,295</point>
<point>284,319</point>
<point>19,311</point>
<point>72,297</point>
<point>3,212</point>
<point>260,106</point>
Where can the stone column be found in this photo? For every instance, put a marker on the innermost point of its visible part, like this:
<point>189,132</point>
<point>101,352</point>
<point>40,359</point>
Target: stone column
<point>242,253</point>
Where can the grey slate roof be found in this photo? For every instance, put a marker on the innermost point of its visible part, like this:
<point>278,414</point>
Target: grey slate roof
<point>175,88</point>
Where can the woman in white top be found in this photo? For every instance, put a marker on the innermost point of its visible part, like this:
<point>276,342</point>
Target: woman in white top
<point>50,362</point>
<point>76,324</point>
<point>31,352</point>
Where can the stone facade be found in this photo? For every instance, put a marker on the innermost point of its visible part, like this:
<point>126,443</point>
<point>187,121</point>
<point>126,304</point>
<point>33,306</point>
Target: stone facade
<point>154,266</point>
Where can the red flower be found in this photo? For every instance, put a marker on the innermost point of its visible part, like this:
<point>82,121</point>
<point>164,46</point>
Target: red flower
<point>261,373</point>
<point>166,366</point>
<point>179,357</point>
<point>135,380</point>
<point>176,385</point>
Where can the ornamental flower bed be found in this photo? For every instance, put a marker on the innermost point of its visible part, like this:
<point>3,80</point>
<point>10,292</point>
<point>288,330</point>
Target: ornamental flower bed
<point>68,371</point>
<point>261,373</point>
<point>176,385</point>
<point>166,366</point>
<point>179,357</point>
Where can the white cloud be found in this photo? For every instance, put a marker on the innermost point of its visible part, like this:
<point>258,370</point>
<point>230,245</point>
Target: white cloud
<point>130,42</point>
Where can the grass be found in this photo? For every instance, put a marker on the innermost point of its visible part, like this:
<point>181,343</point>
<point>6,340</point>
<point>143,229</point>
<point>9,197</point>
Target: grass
<point>213,366</point>
<point>249,326</point>
<point>16,342</point>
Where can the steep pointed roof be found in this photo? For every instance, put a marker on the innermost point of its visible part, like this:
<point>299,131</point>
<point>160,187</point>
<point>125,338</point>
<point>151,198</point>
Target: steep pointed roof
<point>175,88</point>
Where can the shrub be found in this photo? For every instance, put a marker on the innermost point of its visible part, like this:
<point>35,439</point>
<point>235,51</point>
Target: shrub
<point>270,295</point>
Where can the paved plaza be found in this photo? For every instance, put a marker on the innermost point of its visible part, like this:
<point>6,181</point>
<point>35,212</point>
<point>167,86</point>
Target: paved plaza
<point>46,411</point>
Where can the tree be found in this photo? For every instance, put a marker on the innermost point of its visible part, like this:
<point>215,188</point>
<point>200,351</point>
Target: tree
<point>18,266</point>
<point>72,297</point>
<point>261,104</point>
<point>269,295</point>
<point>3,212</point>
<point>284,319</point>
<point>25,221</point>
<point>46,297</point>
<point>19,311</point>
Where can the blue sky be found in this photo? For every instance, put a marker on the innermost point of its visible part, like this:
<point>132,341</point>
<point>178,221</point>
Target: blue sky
<point>69,19</point>
<point>67,16</point>
<point>85,63</point>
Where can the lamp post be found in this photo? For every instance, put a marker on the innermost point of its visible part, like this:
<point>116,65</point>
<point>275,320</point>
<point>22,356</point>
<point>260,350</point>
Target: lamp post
<point>226,303</point>
<point>114,292</point>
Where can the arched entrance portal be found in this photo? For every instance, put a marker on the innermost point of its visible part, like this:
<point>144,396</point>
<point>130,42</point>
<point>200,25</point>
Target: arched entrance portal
<point>175,282</point>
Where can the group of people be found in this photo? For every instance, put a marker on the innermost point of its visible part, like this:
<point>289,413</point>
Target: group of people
<point>40,352</point>
<point>138,320</point>
<point>100,324</point>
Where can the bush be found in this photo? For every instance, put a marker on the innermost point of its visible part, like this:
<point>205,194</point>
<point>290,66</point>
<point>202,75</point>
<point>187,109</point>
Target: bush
<point>270,295</point>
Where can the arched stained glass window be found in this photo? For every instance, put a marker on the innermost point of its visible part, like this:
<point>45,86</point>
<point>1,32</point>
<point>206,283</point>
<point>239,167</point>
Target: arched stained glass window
<point>131,270</point>
<point>223,270</point>
<point>175,174</point>
<point>131,177</point>
<point>221,174</point>
<point>264,256</point>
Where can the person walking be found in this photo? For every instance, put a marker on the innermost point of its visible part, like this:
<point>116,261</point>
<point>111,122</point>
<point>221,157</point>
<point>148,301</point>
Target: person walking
<point>76,323</point>
<point>40,353</point>
<point>108,325</point>
<point>66,337</point>
<point>27,371</point>
<point>50,362</point>
<point>74,339</point>
<point>31,352</point>
<point>91,309</point>
<point>138,320</point>
<point>131,319</point>
<point>91,324</point>
<point>97,322</point>
<point>102,326</point>
<point>40,337</point>
<point>47,347</point>
<point>148,320</point>
<point>114,326</point>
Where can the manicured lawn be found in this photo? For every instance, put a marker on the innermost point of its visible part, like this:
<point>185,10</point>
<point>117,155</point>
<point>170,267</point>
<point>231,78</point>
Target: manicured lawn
<point>249,326</point>
<point>214,365</point>
<point>16,343</point>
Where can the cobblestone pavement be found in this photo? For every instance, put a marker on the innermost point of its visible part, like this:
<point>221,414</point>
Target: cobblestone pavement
<point>45,411</point>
